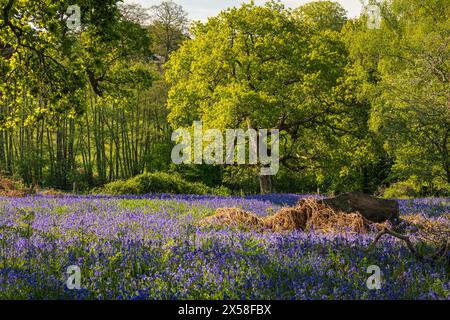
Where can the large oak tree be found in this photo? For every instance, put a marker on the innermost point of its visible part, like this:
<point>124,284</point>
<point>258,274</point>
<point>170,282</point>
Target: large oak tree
<point>265,67</point>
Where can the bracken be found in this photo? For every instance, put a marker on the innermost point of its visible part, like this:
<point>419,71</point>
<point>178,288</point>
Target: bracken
<point>308,215</point>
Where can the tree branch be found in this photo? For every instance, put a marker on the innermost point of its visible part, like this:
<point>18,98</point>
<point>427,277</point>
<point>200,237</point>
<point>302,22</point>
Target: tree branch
<point>440,252</point>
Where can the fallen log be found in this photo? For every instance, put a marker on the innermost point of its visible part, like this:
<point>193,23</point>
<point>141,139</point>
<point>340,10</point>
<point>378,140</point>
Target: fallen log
<point>373,209</point>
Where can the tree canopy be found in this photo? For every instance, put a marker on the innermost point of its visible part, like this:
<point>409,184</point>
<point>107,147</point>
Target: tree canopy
<point>265,67</point>
<point>358,107</point>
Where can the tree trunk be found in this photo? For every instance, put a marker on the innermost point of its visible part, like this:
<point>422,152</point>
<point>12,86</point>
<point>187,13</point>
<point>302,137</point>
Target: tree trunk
<point>265,184</point>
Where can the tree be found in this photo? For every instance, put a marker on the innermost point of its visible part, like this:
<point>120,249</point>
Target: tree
<point>324,15</point>
<point>59,84</point>
<point>263,67</point>
<point>47,55</point>
<point>169,27</point>
<point>135,13</point>
<point>409,56</point>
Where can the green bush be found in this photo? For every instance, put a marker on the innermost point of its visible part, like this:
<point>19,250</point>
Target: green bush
<point>160,182</point>
<point>221,191</point>
<point>415,188</point>
<point>402,189</point>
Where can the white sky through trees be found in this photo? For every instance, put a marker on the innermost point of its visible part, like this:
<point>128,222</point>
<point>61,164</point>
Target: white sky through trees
<point>202,9</point>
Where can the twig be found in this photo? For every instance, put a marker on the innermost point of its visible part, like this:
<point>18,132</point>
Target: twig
<point>439,253</point>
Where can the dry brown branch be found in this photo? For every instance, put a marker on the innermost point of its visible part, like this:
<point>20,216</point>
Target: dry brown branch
<point>429,230</point>
<point>404,238</point>
<point>439,253</point>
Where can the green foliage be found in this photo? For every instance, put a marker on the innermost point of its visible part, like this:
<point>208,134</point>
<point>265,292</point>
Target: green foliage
<point>406,67</point>
<point>324,15</point>
<point>402,189</point>
<point>241,180</point>
<point>357,109</point>
<point>64,93</point>
<point>245,181</point>
<point>266,67</point>
<point>413,188</point>
<point>56,66</point>
<point>160,182</point>
<point>209,175</point>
